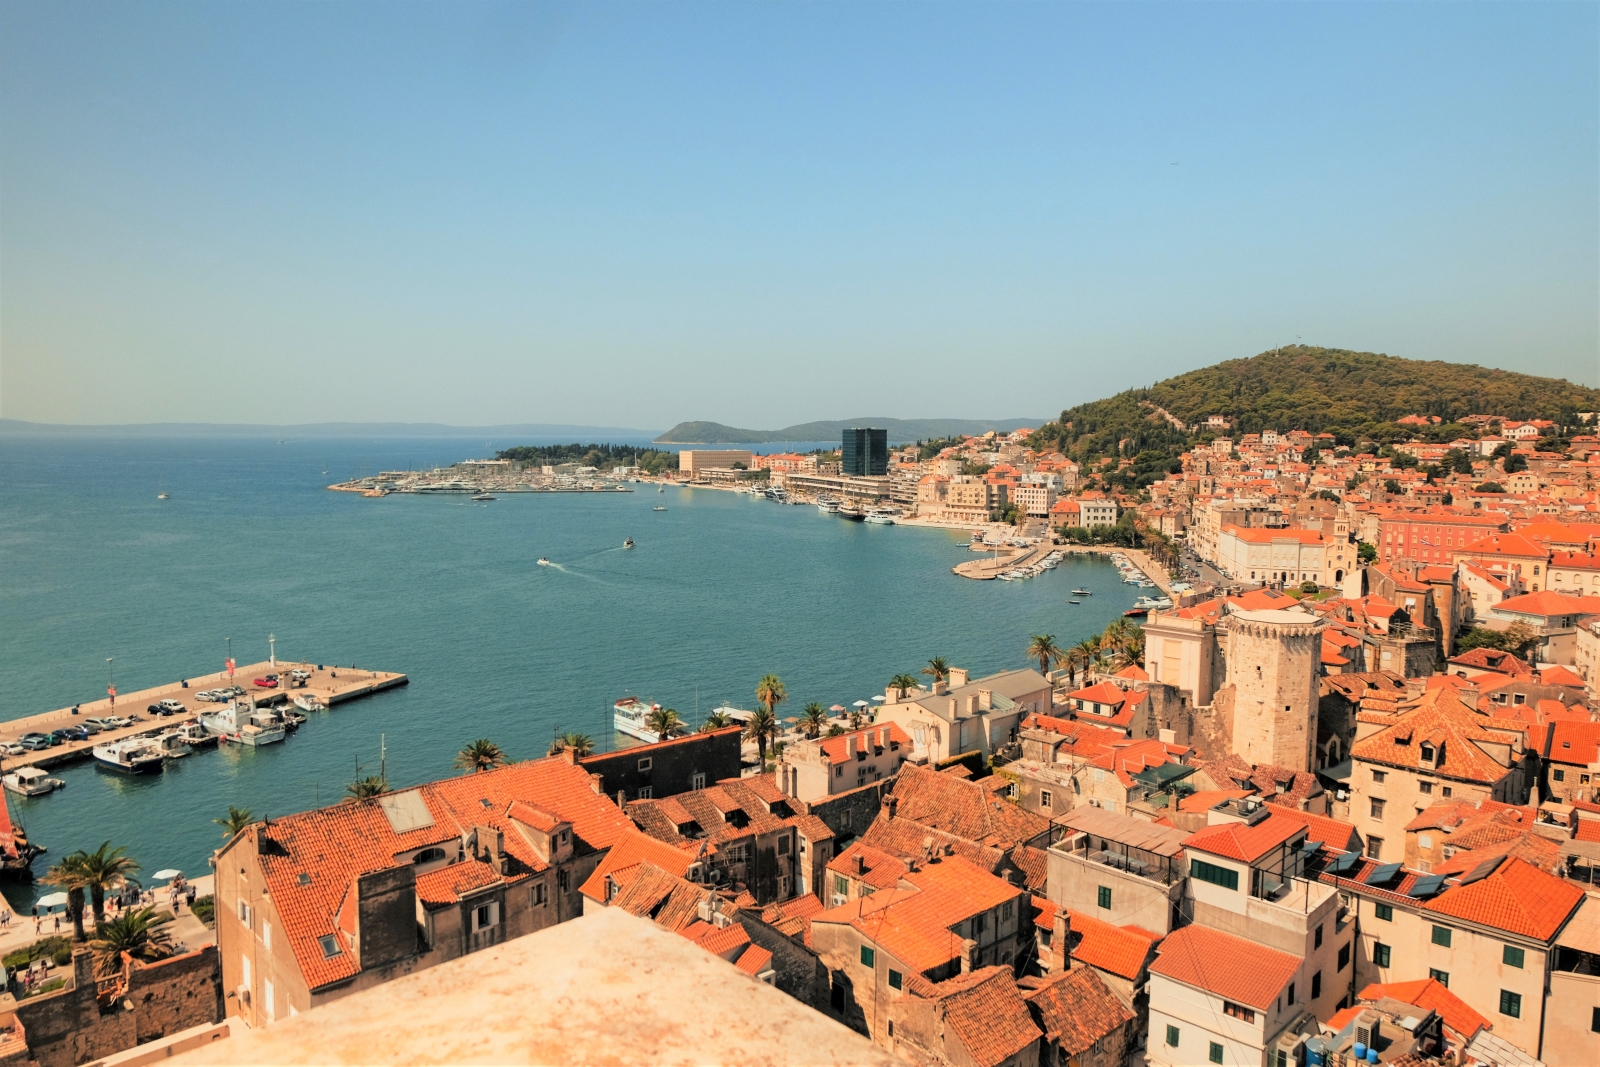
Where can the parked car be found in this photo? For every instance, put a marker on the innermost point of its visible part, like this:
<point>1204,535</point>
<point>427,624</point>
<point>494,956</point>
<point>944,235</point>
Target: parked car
<point>118,721</point>
<point>69,733</point>
<point>269,682</point>
<point>104,724</point>
<point>169,707</point>
<point>11,748</point>
<point>89,728</point>
<point>300,676</point>
<point>34,742</point>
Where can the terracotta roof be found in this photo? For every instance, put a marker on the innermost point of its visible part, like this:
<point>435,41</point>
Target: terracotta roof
<point>1233,968</point>
<point>1076,1008</point>
<point>1439,716</point>
<point>1330,831</point>
<point>1517,897</point>
<point>1120,950</point>
<point>634,848</point>
<point>1429,994</point>
<point>1559,675</point>
<point>1491,659</point>
<point>1505,545</point>
<point>450,883</point>
<point>1529,846</point>
<point>986,1013</point>
<point>753,960</point>
<point>1206,799</point>
<point>1547,603</point>
<point>1567,741</point>
<point>963,808</point>
<point>881,870</point>
<point>906,839</point>
<point>1034,863</point>
<point>870,739</point>
<point>1261,535</point>
<point>1247,844</point>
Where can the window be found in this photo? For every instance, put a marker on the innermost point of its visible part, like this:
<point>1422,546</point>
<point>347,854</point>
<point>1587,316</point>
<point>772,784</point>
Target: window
<point>1441,936</point>
<point>647,792</point>
<point>697,780</point>
<point>1427,752</point>
<point>330,946</point>
<point>1210,872</point>
<point>1291,994</point>
<point>1216,1052</point>
<point>1238,1011</point>
<point>429,855</point>
<point>896,979</point>
<point>1512,956</point>
<point>1377,808</point>
<point>1103,896</point>
<point>1594,1021</point>
<point>1344,956</point>
<point>482,916</point>
<point>1005,912</point>
<point>1317,940</point>
<point>867,956</point>
<point>1316,985</point>
<point>1380,954</point>
<point>1044,798</point>
<point>783,846</point>
<point>266,933</point>
<point>1384,912</point>
<point>1172,1031</point>
<point>1379,776</point>
<point>1559,775</point>
<point>1510,1003</point>
<point>1447,791</point>
<point>244,913</point>
<point>841,885</point>
<point>1442,977</point>
<point>244,971</point>
<point>539,895</point>
<point>1374,848</point>
<point>1425,787</point>
<point>561,881</point>
<point>645,764</point>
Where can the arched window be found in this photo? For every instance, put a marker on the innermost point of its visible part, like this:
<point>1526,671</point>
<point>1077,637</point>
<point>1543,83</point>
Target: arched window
<point>429,855</point>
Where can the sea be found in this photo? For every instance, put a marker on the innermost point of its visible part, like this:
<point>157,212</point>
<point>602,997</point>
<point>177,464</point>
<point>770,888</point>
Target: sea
<point>100,580</point>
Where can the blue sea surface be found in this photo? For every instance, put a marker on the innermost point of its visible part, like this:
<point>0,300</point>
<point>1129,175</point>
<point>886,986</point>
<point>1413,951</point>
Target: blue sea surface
<point>721,589</point>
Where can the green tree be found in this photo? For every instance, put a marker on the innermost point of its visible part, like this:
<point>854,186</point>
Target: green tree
<point>812,718</point>
<point>761,726</point>
<point>1084,653</point>
<point>716,719</point>
<point>482,755</point>
<point>1366,553</point>
<point>137,932</point>
<point>238,819</point>
<point>770,693</point>
<point>104,869</point>
<point>938,669</point>
<point>1043,647</point>
<point>1489,487</point>
<point>663,722</point>
<point>581,744</point>
<point>1514,463</point>
<point>365,788</point>
<point>68,874</point>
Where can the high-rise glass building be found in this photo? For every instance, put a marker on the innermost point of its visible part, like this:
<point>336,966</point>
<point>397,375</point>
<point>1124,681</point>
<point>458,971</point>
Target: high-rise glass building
<point>864,451</point>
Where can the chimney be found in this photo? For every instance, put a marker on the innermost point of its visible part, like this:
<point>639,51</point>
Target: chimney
<point>570,754</point>
<point>958,677</point>
<point>622,799</point>
<point>941,687</point>
<point>891,695</point>
<point>955,711</point>
<point>850,746</point>
<point>972,705</point>
<point>986,699</point>
<point>967,945</point>
<point>889,804</point>
<point>861,863</point>
<point>1060,939</point>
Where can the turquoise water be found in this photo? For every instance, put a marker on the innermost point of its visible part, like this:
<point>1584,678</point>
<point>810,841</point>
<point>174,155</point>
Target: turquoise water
<point>721,589</point>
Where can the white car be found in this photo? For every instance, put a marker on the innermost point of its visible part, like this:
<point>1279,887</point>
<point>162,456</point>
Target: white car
<point>172,707</point>
<point>210,696</point>
<point>11,748</point>
<point>117,721</point>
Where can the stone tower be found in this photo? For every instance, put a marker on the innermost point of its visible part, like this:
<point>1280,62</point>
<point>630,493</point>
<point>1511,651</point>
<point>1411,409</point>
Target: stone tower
<point>1273,659</point>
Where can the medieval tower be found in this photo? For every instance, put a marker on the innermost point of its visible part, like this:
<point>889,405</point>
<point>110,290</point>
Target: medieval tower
<point>1272,663</point>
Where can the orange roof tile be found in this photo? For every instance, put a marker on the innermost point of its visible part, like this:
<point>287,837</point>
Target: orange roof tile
<point>1517,897</point>
<point>986,1012</point>
<point>1077,1009</point>
<point>1247,844</point>
<point>633,848</point>
<point>1428,993</point>
<point>1231,967</point>
<point>1120,950</point>
<point>753,960</point>
<point>836,748</point>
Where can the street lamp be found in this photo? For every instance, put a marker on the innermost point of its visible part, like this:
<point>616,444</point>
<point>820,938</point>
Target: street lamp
<point>272,649</point>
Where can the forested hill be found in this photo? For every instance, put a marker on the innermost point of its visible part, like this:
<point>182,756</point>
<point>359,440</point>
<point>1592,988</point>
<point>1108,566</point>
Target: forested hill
<point>1349,394</point>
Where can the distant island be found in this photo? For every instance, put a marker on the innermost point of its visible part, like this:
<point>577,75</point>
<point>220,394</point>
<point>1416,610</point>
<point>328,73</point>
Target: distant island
<point>900,430</point>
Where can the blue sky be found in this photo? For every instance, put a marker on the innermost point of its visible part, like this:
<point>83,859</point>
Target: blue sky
<point>768,213</point>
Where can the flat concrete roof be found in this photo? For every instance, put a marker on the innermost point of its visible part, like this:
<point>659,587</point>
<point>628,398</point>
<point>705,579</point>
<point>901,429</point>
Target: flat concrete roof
<point>603,988</point>
<point>1125,830</point>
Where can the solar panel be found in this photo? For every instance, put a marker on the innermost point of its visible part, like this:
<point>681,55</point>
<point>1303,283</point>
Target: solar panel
<point>1310,848</point>
<point>1428,886</point>
<point>1482,870</point>
<point>1345,863</point>
<point>1384,875</point>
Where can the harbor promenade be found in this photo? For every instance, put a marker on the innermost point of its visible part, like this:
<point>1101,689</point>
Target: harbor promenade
<point>329,683</point>
<point>185,929</point>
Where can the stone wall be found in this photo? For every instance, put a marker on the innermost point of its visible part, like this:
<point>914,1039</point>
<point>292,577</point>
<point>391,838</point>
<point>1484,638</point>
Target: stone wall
<point>69,1027</point>
<point>848,814</point>
<point>796,969</point>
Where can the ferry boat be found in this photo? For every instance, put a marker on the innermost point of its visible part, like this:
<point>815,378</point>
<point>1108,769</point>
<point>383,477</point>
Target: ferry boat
<point>133,755</point>
<point>828,507</point>
<point>31,782</point>
<point>629,715</point>
<point>628,543</point>
<point>232,723</point>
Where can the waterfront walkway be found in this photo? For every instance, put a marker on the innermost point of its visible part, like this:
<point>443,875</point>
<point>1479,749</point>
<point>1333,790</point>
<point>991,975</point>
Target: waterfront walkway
<point>184,929</point>
<point>330,684</point>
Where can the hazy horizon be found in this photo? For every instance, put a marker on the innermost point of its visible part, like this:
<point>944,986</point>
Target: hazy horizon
<point>633,215</point>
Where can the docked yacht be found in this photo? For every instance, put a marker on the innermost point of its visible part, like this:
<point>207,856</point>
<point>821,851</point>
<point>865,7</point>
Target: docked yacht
<point>171,745</point>
<point>31,782</point>
<point>233,723</point>
<point>881,517</point>
<point>132,755</point>
<point>828,507</point>
<point>630,715</point>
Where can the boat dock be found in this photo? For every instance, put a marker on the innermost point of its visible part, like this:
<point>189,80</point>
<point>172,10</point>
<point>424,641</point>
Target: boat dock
<point>985,569</point>
<point>328,683</point>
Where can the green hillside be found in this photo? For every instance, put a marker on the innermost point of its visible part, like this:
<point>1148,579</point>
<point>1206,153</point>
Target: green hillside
<point>1353,395</point>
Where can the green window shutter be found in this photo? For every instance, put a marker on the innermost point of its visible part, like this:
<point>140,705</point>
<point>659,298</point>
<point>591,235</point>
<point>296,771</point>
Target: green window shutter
<point>1441,936</point>
<point>1384,912</point>
<point>1210,872</point>
<point>1442,977</point>
<point>1380,954</point>
<point>1172,1035</point>
<point>1216,1052</point>
<point>1510,1003</point>
<point>1512,956</point>
<point>866,956</point>
<point>896,979</point>
<point>1104,896</point>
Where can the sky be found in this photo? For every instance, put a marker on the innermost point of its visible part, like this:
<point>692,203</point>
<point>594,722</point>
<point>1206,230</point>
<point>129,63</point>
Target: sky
<point>761,214</point>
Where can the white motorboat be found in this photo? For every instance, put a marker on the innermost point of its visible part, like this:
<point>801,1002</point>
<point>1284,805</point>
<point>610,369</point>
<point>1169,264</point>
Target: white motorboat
<point>880,518</point>
<point>659,507</point>
<point>31,782</point>
<point>630,715</point>
<point>307,702</point>
<point>828,507</point>
<point>543,562</point>
<point>192,733</point>
<point>133,755</point>
<point>171,746</point>
<point>233,723</point>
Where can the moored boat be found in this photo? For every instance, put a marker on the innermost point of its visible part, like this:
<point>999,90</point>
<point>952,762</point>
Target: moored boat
<point>1082,592</point>
<point>307,702</point>
<point>629,716</point>
<point>233,723</point>
<point>31,782</point>
<point>133,755</point>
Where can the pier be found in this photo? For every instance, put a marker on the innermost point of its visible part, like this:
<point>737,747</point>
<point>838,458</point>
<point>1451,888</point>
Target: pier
<point>985,569</point>
<point>329,683</point>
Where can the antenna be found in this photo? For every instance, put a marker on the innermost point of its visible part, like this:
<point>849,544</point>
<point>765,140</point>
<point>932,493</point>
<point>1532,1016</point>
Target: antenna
<point>383,757</point>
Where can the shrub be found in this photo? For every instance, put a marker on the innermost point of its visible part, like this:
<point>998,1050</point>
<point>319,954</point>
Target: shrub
<point>205,909</point>
<point>57,948</point>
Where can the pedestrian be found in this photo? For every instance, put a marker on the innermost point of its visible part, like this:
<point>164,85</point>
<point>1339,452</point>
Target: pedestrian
<point>58,924</point>
<point>37,923</point>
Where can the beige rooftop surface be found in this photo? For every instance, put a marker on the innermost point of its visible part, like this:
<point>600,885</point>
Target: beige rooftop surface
<point>607,988</point>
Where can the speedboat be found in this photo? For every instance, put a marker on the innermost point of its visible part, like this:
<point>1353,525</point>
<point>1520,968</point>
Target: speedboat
<point>133,755</point>
<point>543,562</point>
<point>1074,602</point>
<point>628,543</point>
<point>483,496</point>
<point>659,507</point>
<point>161,496</point>
<point>880,518</point>
<point>1082,592</point>
<point>307,702</point>
<point>31,782</point>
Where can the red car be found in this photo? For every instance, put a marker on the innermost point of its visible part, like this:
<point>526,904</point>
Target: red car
<point>269,682</point>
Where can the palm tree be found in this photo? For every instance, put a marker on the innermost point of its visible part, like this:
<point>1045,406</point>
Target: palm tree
<point>104,868</point>
<point>716,720</point>
<point>835,730</point>
<point>1043,648</point>
<point>365,788</point>
<point>938,668</point>
<point>812,718</point>
<point>69,875</point>
<point>770,692</point>
<point>138,933</point>
<point>1086,651</point>
<point>1132,651</point>
<point>238,819</point>
<point>1115,638</point>
<point>762,725</point>
<point>858,718</point>
<point>581,744</point>
<point>903,684</point>
<point>482,755</point>
<point>663,722</point>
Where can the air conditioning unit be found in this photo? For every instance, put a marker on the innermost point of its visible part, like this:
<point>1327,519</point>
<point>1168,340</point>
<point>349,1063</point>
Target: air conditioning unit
<point>695,872</point>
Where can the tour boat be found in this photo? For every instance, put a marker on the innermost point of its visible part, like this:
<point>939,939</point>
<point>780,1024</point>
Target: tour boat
<point>31,782</point>
<point>628,543</point>
<point>853,514</point>
<point>880,518</point>
<point>133,755</point>
<point>629,715</point>
<point>543,562</point>
<point>828,507</point>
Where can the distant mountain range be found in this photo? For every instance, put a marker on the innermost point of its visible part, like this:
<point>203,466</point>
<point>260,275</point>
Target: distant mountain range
<point>900,430</point>
<point>330,429</point>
